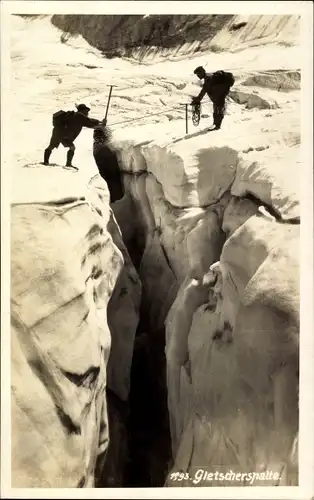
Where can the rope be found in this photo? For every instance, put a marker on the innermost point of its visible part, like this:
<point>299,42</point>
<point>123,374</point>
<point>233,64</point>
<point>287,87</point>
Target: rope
<point>196,114</point>
<point>144,116</point>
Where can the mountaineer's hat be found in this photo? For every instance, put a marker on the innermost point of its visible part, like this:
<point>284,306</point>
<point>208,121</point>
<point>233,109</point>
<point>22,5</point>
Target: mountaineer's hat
<point>82,107</point>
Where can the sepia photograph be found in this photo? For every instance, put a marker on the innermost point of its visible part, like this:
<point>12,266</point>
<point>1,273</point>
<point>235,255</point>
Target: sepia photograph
<point>153,172</point>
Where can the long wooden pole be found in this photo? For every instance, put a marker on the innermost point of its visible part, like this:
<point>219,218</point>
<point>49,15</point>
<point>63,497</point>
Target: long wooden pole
<point>108,102</point>
<point>186,119</point>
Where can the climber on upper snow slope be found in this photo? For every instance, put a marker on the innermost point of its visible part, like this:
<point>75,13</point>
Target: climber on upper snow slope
<point>216,85</point>
<point>67,125</point>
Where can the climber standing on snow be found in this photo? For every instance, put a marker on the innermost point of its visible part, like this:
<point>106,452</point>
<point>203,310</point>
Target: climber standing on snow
<point>67,125</point>
<point>216,85</point>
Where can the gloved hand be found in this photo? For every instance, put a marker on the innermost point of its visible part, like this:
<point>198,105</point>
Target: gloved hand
<point>195,100</point>
<point>104,122</point>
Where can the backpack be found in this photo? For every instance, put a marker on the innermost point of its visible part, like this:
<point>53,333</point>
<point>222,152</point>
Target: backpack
<point>62,118</point>
<point>224,77</point>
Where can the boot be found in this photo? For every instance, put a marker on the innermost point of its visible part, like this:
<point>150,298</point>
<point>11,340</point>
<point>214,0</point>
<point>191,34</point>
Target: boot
<point>214,126</point>
<point>70,155</point>
<point>217,121</point>
<point>47,156</point>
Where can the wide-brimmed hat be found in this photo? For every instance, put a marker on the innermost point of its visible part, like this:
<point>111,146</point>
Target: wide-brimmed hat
<point>82,107</point>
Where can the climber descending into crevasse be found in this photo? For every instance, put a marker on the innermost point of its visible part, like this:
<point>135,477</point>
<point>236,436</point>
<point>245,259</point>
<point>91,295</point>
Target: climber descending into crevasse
<point>216,85</point>
<point>106,159</point>
<point>67,125</point>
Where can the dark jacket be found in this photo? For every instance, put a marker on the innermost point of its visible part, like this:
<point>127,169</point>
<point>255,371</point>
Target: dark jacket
<point>214,88</point>
<point>76,122</point>
<point>207,87</point>
<point>107,162</point>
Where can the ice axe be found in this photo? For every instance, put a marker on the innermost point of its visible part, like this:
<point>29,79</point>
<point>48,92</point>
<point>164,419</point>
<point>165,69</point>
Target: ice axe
<point>185,104</point>
<point>108,102</point>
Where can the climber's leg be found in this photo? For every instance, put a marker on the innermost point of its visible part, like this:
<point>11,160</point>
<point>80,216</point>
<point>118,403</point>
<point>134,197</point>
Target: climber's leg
<point>54,143</point>
<point>219,112</point>
<point>70,155</point>
<point>47,154</point>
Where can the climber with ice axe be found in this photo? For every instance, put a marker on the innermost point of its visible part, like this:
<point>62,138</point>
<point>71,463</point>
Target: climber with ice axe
<point>216,85</point>
<point>102,134</point>
<point>67,125</point>
<point>107,158</point>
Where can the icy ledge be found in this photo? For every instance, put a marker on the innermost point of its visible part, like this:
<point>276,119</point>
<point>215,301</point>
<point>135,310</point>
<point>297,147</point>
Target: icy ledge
<point>220,269</point>
<point>70,275</point>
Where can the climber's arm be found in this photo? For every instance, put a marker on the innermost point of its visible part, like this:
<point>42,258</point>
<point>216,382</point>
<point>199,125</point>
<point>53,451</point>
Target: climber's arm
<point>205,89</point>
<point>201,94</point>
<point>90,122</point>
